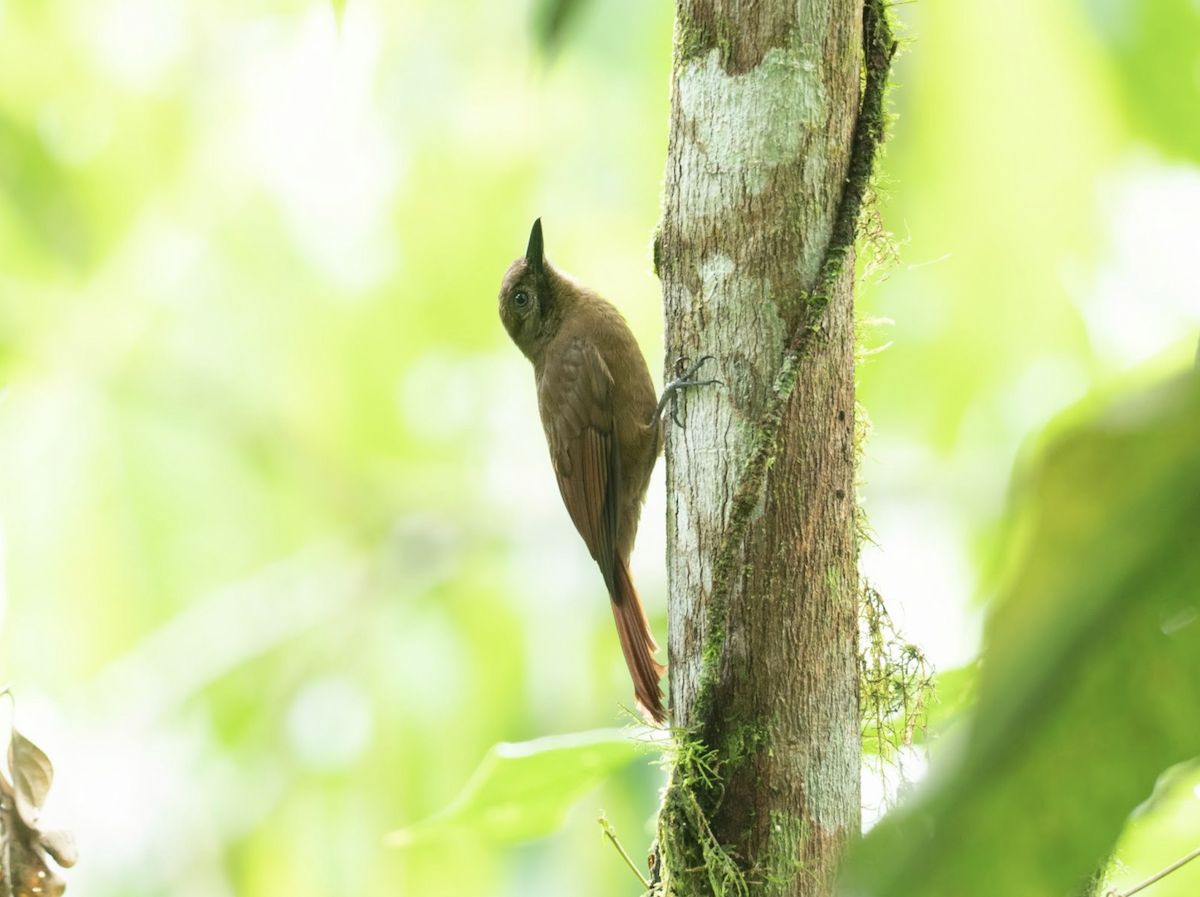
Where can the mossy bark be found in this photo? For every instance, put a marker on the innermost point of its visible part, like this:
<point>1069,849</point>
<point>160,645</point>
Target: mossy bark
<point>755,252</point>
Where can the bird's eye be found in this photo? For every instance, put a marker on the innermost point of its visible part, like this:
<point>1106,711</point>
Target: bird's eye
<point>521,299</point>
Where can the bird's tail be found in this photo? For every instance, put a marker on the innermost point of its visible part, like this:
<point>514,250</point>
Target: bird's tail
<point>637,643</point>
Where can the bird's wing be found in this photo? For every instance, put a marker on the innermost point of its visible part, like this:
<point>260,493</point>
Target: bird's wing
<point>575,399</point>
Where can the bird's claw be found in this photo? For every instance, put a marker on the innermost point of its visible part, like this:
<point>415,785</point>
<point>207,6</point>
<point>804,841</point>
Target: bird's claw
<point>683,379</point>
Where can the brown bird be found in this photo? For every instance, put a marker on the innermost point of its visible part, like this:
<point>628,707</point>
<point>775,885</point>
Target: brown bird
<point>603,427</point>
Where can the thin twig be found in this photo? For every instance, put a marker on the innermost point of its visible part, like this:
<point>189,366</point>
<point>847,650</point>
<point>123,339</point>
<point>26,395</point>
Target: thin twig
<point>611,834</point>
<point>1163,874</point>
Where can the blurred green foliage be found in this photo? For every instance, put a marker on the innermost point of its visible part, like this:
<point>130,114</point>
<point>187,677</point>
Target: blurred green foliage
<point>1153,45</point>
<point>551,21</point>
<point>283,557</point>
<point>1091,659</point>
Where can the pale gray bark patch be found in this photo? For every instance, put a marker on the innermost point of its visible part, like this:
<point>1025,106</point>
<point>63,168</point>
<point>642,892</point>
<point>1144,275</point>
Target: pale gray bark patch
<point>826,782</point>
<point>744,126</point>
<point>742,304</point>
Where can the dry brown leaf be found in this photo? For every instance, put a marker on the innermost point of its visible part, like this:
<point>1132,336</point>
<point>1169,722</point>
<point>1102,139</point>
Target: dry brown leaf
<point>60,844</point>
<point>31,775</point>
<point>25,850</point>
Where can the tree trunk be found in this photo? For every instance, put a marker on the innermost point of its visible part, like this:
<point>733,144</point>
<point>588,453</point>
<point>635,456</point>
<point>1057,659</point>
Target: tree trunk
<point>768,161</point>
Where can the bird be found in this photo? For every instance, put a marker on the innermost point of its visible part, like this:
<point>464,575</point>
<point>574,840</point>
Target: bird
<point>604,429</point>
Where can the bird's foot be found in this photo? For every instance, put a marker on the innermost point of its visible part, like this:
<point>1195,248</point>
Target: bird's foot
<point>684,377</point>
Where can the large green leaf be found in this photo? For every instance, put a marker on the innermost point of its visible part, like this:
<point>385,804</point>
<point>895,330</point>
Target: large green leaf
<point>524,790</point>
<point>1091,671</point>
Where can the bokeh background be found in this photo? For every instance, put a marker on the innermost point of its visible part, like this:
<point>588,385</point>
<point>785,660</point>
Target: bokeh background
<point>282,552</point>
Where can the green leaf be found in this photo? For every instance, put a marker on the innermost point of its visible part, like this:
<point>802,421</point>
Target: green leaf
<point>523,790</point>
<point>1091,668</point>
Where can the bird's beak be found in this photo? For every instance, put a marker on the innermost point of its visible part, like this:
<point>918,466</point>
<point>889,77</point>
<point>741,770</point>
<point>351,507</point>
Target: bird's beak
<point>535,254</point>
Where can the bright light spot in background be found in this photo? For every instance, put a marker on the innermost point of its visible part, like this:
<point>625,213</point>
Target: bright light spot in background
<point>171,262</point>
<point>517,478</point>
<point>137,41</point>
<point>921,568</point>
<point>439,396</point>
<point>329,723</point>
<point>650,549</point>
<point>1146,296</point>
<point>321,147</point>
<point>434,671</point>
<point>883,789</point>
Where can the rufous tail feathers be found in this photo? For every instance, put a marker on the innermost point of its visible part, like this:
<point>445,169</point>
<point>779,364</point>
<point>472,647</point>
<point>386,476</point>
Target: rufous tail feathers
<point>637,643</point>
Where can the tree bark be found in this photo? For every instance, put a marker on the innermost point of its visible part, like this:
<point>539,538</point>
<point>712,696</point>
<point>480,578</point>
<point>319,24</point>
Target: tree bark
<point>768,160</point>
